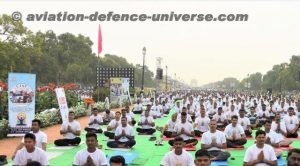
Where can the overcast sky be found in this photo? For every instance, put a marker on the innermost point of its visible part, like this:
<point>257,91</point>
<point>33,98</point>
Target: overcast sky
<point>206,51</point>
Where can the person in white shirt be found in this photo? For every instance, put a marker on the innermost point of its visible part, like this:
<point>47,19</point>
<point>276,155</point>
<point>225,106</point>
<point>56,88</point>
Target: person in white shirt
<point>117,160</point>
<point>95,122</point>
<point>292,123</point>
<point>124,136</point>
<point>156,110</point>
<point>130,114</point>
<point>138,107</point>
<point>221,119</point>
<point>202,158</point>
<point>235,135</point>
<point>91,155</point>
<point>124,114</point>
<point>113,124</point>
<point>147,124</point>
<point>185,130</point>
<point>272,137</point>
<point>263,115</point>
<point>245,123</point>
<point>178,156</point>
<point>260,154</point>
<point>215,142</point>
<point>188,116</point>
<point>231,112</point>
<point>30,153</point>
<point>293,157</point>
<point>169,128</point>
<point>108,116</point>
<point>201,123</point>
<point>71,132</point>
<point>41,137</point>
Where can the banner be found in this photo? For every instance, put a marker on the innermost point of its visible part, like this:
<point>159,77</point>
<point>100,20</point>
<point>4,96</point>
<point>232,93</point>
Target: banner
<point>62,103</point>
<point>21,103</point>
<point>119,89</point>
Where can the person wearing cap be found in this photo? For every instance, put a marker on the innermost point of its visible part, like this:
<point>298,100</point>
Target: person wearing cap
<point>245,123</point>
<point>202,158</point>
<point>221,119</point>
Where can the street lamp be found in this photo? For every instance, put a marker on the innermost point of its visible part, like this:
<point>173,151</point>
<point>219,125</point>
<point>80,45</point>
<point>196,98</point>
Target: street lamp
<point>280,76</point>
<point>248,82</point>
<point>166,79</point>
<point>144,53</point>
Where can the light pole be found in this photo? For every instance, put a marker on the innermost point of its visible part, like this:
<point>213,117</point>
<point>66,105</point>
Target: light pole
<point>166,78</point>
<point>248,82</point>
<point>280,76</point>
<point>144,53</point>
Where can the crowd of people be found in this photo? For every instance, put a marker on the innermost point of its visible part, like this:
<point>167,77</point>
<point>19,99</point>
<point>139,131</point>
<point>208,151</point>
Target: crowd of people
<point>216,120</point>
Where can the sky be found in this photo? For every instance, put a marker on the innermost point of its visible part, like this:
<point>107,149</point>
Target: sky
<point>205,51</point>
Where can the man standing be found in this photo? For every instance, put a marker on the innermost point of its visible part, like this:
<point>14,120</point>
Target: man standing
<point>30,152</point>
<point>260,153</point>
<point>215,142</point>
<point>90,156</point>
<point>178,156</point>
<point>124,136</point>
<point>71,132</point>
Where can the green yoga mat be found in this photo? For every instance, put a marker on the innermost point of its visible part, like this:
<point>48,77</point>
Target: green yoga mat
<point>148,153</point>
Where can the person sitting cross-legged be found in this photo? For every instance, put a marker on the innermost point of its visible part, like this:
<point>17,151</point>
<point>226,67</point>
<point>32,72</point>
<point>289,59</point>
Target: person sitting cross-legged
<point>178,156</point>
<point>221,119</point>
<point>235,135</point>
<point>147,124</point>
<point>71,132</point>
<point>108,116</point>
<point>260,153</point>
<point>170,127</point>
<point>292,123</point>
<point>245,123</point>
<point>95,122</point>
<point>113,124</point>
<point>91,155</point>
<point>215,142</point>
<point>185,130</point>
<point>124,136</point>
<point>201,123</point>
<point>30,152</point>
<point>202,158</point>
<point>273,138</point>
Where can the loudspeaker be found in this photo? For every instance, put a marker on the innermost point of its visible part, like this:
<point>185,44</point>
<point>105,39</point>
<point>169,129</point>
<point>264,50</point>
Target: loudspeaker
<point>159,73</point>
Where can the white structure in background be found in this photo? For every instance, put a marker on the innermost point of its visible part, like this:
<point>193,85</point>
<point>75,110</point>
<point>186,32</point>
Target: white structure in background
<point>106,103</point>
